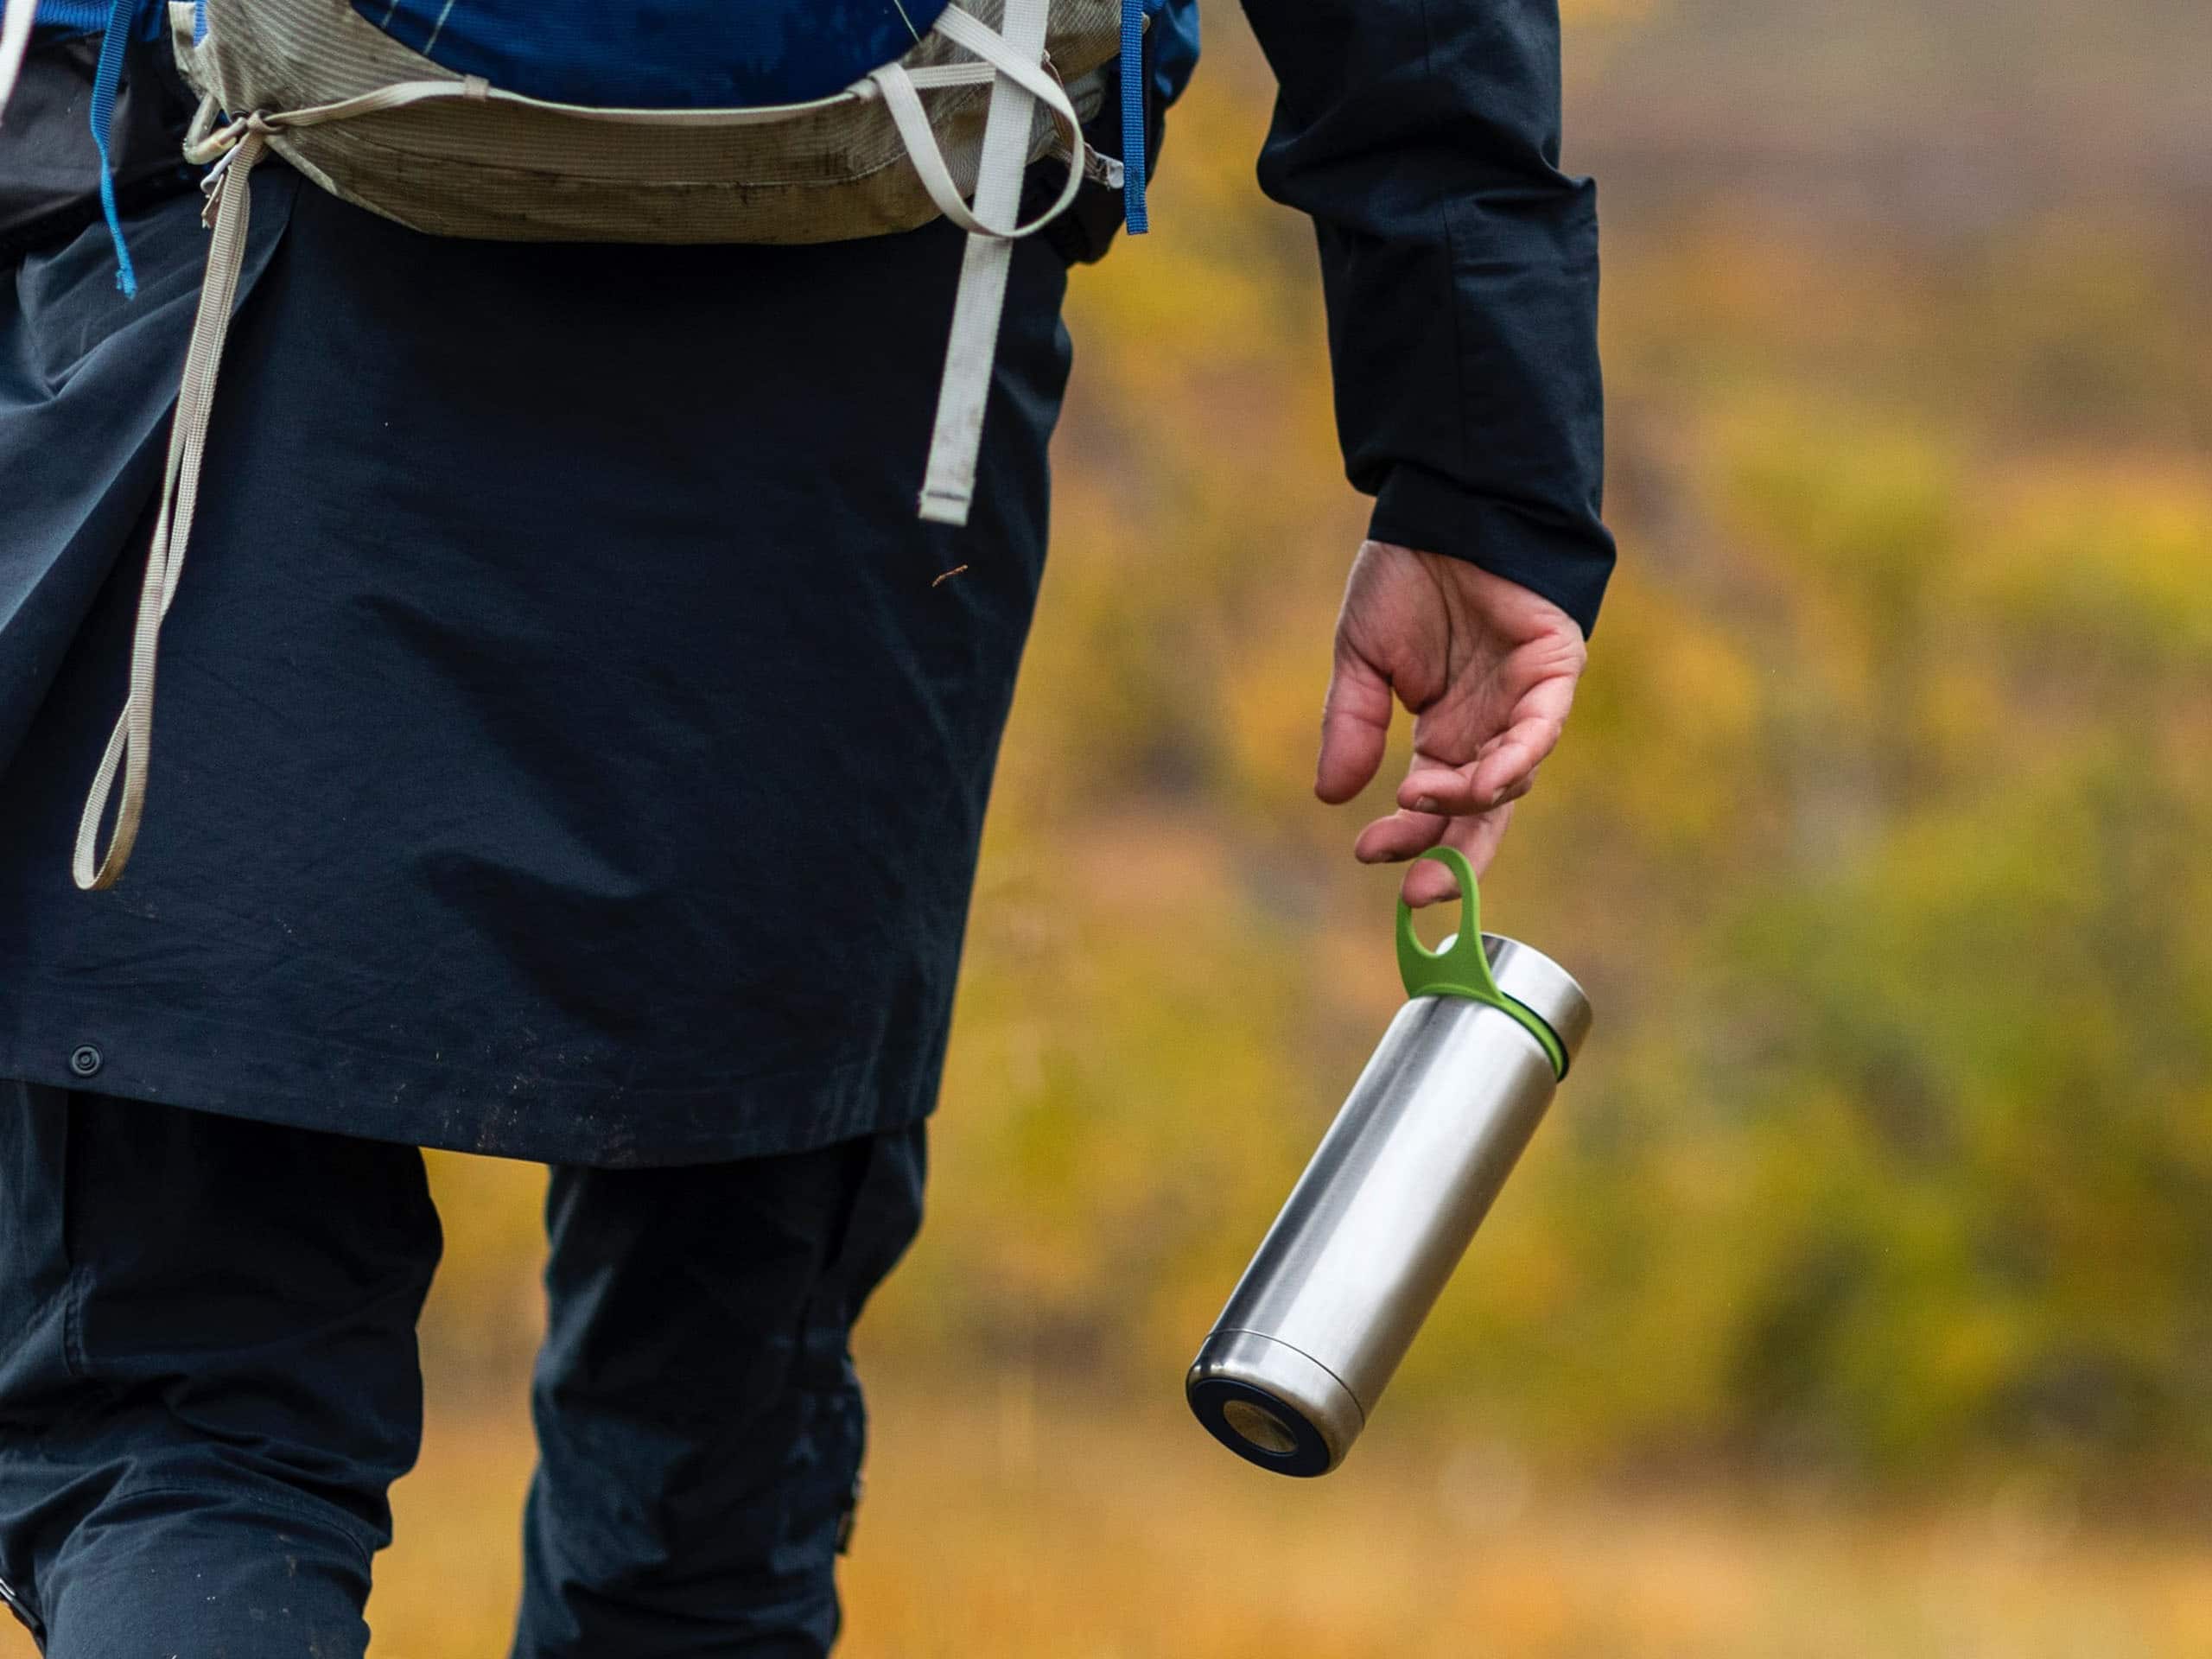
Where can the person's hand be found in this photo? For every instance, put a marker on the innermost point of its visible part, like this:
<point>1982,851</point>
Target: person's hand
<point>1488,669</point>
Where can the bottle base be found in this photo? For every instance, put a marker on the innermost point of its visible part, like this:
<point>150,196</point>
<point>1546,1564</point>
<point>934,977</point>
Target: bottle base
<point>1272,1405</point>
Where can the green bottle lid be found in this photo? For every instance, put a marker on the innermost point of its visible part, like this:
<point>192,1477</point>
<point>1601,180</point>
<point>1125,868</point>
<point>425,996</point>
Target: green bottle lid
<point>1462,968</point>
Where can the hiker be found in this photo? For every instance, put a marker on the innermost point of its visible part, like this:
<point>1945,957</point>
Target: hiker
<point>565,752</point>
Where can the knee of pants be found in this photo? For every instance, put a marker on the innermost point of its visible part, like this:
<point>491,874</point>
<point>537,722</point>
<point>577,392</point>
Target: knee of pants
<point>153,1572</point>
<point>214,1371</point>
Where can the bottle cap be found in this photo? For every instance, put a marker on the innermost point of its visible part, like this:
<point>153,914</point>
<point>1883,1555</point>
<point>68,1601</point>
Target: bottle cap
<point>1504,973</point>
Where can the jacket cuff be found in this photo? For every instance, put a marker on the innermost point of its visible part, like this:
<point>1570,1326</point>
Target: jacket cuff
<point>1566,559</point>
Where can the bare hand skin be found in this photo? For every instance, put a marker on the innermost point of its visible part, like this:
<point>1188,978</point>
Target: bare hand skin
<point>1488,669</point>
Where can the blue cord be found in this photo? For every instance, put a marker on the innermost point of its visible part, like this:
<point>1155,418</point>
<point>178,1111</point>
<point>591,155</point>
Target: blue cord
<point>1133,211</point>
<point>105,79</point>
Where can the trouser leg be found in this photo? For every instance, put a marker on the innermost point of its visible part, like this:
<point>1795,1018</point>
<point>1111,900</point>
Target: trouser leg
<point>700,1426</point>
<point>210,1377</point>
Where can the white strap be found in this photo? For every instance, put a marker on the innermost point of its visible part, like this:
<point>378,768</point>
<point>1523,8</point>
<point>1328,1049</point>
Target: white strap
<point>898,85</point>
<point>229,206</point>
<point>970,353</point>
<point>952,74</point>
<point>15,40</point>
<point>955,441</point>
<point>904,108</point>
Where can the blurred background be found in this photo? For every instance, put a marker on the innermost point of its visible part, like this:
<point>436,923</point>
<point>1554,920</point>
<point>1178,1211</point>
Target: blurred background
<point>1857,1297</point>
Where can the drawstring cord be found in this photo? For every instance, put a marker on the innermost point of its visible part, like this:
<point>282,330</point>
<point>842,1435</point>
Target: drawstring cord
<point>107,80</point>
<point>1133,153</point>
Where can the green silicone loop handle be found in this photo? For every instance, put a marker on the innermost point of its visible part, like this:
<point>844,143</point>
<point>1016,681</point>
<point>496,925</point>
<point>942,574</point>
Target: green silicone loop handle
<point>1462,969</point>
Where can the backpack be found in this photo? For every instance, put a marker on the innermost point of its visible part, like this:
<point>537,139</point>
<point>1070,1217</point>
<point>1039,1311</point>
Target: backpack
<point>614,121</point>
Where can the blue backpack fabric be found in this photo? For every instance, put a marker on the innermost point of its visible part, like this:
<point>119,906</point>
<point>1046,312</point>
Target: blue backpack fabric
<point>659,53</point>
<point>1174,48</point>
<point>681,55</point>
<point>74,17</point>
<point>672,55</point>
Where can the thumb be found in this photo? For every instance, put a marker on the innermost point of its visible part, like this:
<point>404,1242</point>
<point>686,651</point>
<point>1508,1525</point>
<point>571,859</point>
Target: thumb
<point>1354,724</point>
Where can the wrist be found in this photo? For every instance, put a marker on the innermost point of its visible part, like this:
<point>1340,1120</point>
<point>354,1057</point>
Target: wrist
<point>1566,561</point>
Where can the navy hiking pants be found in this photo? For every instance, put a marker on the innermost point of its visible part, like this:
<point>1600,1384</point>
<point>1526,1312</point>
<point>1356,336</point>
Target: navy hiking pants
<point>208,1380</point>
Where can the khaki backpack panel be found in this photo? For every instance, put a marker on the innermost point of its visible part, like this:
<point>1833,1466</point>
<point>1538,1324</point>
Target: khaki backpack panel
<point>518,170</point>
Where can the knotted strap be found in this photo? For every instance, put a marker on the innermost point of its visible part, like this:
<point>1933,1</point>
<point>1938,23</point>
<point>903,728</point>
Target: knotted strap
<point>229,206</point>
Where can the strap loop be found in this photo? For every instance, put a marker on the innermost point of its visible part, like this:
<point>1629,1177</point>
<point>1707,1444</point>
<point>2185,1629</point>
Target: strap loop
<point>230,205</point>
<point>995,58</point>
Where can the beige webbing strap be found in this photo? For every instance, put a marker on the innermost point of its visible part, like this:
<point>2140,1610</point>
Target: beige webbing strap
<point>229,206</point>
<point>948,484</point>
<point>15,40</point>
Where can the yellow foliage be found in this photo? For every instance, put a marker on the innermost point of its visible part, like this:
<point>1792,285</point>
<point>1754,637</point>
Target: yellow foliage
<point>1878,839</point>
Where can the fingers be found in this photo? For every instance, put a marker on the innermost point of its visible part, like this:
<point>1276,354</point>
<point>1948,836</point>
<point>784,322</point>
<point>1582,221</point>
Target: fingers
<point>1502,768</point>
<point>1489,669</point>
<point>1428,883</point>
<point>1387,840</point>
<point>1354,724</point>
<point>1405,835</point>
<point>1504,771</point>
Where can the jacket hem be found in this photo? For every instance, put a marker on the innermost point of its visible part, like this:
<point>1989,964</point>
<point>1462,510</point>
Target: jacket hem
<point>198,1064</point>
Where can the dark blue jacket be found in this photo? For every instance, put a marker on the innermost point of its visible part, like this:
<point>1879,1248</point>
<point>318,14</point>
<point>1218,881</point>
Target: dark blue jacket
<point>1460,271</point>
<point>532,644</point>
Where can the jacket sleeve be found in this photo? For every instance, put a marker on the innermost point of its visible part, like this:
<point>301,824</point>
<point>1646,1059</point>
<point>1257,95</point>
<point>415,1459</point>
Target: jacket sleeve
<point>1460,268</point>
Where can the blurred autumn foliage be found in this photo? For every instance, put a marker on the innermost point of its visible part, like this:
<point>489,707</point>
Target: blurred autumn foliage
<point>1857,1297</point>
<point>1879,837</point>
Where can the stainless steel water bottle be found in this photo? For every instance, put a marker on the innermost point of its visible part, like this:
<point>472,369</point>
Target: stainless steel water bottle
<point>1296,1362</point>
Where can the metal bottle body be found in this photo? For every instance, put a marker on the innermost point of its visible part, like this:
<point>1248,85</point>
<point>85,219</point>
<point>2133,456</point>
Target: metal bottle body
<point>1371,1233</point>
